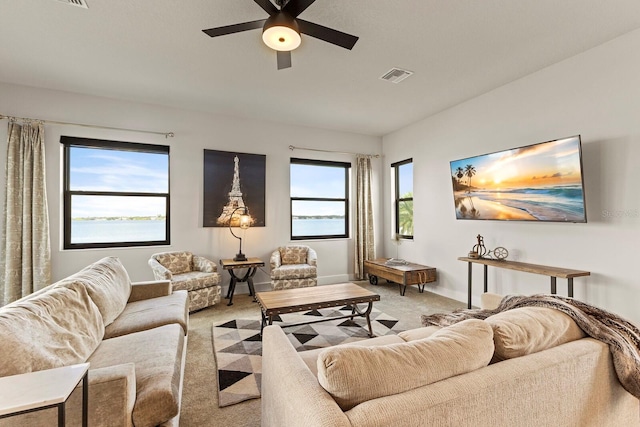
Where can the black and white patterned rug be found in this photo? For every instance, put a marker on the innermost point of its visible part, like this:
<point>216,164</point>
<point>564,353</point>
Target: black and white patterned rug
<point>237,345</point>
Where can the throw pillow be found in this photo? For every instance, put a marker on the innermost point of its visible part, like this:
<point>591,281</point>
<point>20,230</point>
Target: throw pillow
<point>527,330</point>
<point>355,374</point>
<point>294,254</point>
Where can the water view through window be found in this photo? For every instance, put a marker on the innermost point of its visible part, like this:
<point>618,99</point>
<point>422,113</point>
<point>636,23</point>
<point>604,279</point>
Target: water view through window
<point>116,195</point>
<point>319,199</point>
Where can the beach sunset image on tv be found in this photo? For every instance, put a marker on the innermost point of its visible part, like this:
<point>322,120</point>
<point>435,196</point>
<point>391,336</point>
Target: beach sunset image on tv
<point>540,182</point>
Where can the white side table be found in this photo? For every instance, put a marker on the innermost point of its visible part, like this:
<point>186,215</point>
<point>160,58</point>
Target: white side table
<point>34,391</point>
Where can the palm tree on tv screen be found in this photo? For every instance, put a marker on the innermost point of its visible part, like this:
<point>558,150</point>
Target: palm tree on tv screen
<point>469,171</point>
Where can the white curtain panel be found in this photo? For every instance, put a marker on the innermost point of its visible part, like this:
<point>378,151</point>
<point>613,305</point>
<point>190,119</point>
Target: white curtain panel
<point>364,215</point>
<point>25,255</point>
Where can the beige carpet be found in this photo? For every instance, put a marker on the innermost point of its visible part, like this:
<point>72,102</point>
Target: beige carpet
<point>199,397</point>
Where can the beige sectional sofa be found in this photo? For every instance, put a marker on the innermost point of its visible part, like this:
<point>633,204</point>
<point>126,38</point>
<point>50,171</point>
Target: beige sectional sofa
<point>134,336</point>
<point>529,366</point>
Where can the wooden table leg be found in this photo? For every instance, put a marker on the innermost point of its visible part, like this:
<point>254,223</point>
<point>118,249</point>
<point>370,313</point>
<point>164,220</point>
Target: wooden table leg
<point>85,400</point>
<point>570,287</point>
<point>232,286</point>
<point>486,275</point>
<point>469,275</point>
<point>553,285</point>
<point>61,415</point>
<point>366,314</point>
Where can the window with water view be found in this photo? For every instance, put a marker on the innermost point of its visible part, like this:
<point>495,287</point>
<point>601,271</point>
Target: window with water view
<point>403,173</point>
<point>319,199</point>
<point>116,194</point>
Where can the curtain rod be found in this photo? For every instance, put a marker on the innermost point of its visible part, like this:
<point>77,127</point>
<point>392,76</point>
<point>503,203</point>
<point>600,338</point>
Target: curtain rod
<point>291,147</point>
<point>166,134</point>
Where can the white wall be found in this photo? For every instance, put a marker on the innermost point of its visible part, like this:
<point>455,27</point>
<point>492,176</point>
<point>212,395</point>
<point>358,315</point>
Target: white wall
<point>595,94</point>
<point>193,133</point>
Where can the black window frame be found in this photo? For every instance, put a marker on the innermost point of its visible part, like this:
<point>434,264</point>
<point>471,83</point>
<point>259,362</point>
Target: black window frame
<point>68,142</point>
<point>326,163</point>
<point>398,199</point>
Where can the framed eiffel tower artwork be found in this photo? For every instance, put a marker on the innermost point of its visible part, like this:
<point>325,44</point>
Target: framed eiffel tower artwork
<point>233,180</point>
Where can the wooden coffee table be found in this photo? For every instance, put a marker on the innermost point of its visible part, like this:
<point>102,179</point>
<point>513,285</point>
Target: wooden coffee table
<point>315,297</point>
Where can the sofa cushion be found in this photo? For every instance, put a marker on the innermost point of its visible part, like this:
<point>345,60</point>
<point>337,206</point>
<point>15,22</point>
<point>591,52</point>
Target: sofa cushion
<point>175,262</point>
<point>294,254</point>
<point>151,313</point>
<point>419,333</point>
<point>310,357</point>
<point>194,280</point>
<point>294,271</point>
<point>59,327</point>
<point>108,284</point>
<point>355,374</point>
<point>527,330</point>
<point>157,355</point>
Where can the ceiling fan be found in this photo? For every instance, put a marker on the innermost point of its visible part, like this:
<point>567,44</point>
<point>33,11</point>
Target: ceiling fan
<point>281,31</point>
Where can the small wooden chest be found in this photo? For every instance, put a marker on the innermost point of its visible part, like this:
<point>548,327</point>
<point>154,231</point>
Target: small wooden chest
<point>402,274</point>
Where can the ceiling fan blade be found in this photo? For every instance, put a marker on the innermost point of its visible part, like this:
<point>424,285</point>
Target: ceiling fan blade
<point>267,6</point>
<point>328,35</point>
<point>296,7</point>
<point>284,59</point>
<point>236,28</point>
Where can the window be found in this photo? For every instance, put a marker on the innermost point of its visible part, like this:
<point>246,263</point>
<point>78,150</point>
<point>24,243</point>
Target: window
<point>403,173</point>
<point>116,194</point>
<point>319,199</point>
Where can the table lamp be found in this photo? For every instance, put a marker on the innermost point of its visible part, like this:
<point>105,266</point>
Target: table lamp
<point>245,222</point>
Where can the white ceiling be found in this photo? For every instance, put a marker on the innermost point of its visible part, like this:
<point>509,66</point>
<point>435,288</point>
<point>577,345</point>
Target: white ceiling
<point>154,51</point>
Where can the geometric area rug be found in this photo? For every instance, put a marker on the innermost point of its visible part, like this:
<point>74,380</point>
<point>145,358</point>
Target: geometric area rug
<point>237,345</point>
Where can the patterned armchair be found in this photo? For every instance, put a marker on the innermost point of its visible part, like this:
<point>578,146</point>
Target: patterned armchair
<point>197,275</point>
<point>294,266</point>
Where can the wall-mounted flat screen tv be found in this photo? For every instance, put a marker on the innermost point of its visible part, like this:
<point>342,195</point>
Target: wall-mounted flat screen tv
<point>539,182</point>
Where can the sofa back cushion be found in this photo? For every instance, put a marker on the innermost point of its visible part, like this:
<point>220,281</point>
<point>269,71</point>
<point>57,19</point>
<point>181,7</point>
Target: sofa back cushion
<point>355,374</point>
<point>527,330</point>
<point>56,328</point>
<point>294,254</point>
<point>108,285</point>
<point>175,262</point>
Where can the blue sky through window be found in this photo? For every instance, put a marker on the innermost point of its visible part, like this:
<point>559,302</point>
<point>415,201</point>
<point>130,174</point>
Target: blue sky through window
<point>321,182</point>
<point>95,169</point>
<point>405,173</point>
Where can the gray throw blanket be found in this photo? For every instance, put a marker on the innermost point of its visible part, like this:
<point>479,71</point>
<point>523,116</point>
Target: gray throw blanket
<point>622,336</point>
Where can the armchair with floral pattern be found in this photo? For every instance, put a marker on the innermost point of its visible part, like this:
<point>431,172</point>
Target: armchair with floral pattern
<point>294,266</point>
<point>195,274</point>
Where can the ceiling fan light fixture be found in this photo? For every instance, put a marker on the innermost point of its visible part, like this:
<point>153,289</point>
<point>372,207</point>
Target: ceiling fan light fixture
<point>280,32</point>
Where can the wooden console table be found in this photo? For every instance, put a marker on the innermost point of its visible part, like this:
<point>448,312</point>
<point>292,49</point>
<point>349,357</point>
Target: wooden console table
<point>552,272</point>
<point>402,274</point>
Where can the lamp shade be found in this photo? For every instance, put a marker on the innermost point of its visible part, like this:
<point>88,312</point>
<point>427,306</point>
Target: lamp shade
<point>245,220</point>
<point>280,32</point>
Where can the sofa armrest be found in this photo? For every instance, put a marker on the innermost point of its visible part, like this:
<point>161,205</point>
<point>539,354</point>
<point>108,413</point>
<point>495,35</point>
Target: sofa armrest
<point>276,260</point>
<point>150,289</point>
<point>312,257</point>
<point>112,393</point>
<point>291,394</point>
<point>203,264</point>
<point>160,272</point>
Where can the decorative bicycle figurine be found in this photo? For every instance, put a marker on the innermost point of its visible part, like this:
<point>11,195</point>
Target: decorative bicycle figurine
<point>499,253</point>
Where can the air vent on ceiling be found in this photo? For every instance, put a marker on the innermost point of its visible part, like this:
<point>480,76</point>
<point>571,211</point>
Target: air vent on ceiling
<point>396,75</point>
<point>79,3</point>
